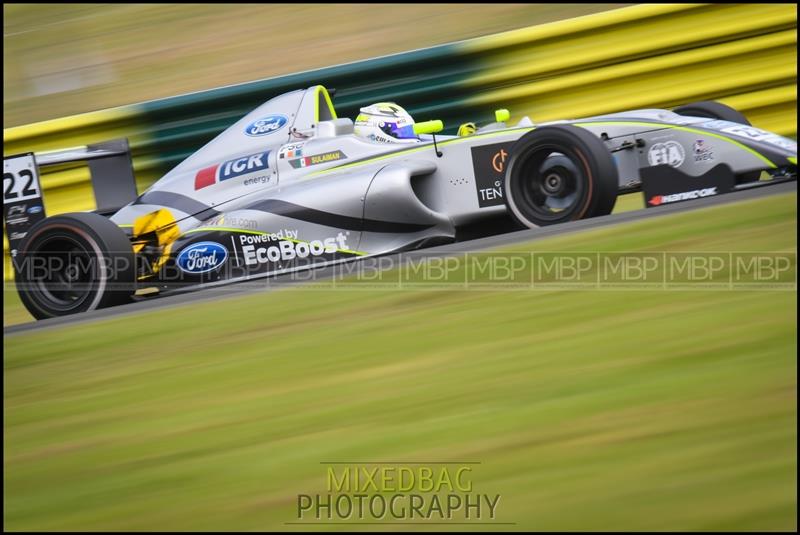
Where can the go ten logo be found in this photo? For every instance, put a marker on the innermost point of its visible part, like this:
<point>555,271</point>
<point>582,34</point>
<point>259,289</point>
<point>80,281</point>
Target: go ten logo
<point>202,257</point>
<point>266,125</point>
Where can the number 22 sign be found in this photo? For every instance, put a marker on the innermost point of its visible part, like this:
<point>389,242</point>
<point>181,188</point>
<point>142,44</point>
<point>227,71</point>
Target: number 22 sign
<point>20,179</point>
<point>22,197</point>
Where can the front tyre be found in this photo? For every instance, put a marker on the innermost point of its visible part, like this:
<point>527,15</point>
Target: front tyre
<point>73,263</point>
<point>559,173</point>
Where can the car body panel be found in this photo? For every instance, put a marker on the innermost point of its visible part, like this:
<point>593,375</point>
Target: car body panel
<point>289,185</point>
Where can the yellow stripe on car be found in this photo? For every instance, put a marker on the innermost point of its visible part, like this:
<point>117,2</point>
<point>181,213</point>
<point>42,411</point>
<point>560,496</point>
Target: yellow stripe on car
<point>685,129</point>
<point>413,150</point>
<point>321,89</point>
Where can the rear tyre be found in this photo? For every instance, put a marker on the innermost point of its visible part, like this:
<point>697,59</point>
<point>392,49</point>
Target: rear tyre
<point>718,110</point>
<point>559,173</point>
<point>713,110</point>
<point>73,263</point>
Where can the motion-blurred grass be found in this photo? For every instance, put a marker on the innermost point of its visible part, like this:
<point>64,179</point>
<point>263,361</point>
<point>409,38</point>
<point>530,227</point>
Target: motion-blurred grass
<point>653,410</point>
<point>63,59</point>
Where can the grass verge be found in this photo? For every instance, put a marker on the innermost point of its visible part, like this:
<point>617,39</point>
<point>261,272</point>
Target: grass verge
<point>651,410</point>
<point>63,59</point>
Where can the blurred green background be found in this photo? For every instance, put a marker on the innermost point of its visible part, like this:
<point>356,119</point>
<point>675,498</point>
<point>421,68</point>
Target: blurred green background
<point>61,60</point>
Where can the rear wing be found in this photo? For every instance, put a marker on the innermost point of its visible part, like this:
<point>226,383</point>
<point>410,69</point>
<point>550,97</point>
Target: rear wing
<point>111,171</point>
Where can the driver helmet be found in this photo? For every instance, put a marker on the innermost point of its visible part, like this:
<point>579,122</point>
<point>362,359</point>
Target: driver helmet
<point>385,122</point>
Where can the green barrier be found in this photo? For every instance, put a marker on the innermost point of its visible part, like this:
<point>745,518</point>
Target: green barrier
<point>636,57</point>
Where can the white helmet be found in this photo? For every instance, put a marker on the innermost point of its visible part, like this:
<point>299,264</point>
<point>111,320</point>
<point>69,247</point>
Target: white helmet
<point>386,122</point>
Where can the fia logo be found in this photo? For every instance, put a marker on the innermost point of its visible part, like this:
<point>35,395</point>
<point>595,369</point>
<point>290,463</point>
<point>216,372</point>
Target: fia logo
<point>668,153</point>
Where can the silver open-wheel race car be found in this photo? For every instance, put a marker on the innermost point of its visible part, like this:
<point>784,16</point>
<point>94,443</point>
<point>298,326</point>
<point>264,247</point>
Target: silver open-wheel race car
<point>290,186</point>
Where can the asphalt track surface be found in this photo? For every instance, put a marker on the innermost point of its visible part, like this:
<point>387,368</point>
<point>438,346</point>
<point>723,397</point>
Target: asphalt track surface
<point>320,274</point>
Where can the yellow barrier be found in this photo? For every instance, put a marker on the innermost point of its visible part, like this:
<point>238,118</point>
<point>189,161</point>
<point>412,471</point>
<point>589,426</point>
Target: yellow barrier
<point>657,56</point>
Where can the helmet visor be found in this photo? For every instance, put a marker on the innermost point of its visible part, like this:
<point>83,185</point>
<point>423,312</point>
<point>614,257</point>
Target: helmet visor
<point>398,132</point>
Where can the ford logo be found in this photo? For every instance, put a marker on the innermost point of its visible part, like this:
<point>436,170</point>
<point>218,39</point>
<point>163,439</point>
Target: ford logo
<point>266,125</point>
<point>202,257</point>
<point>34,209</point>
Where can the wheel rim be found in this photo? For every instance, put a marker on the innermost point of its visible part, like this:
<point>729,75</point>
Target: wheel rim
<point>550,184</point>
<point>68,269</point>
